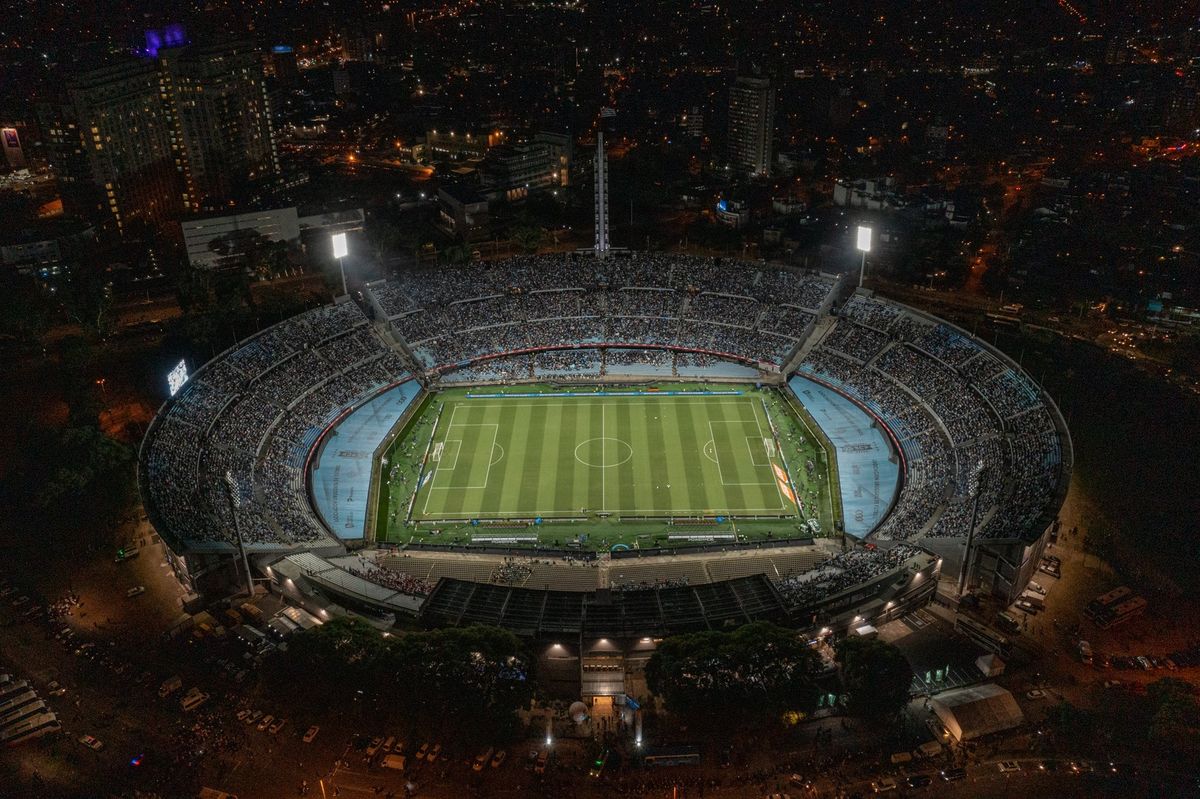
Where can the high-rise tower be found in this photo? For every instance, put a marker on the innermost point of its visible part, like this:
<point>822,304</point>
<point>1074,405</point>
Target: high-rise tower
<point>751,125</point>
<point>601,197</point>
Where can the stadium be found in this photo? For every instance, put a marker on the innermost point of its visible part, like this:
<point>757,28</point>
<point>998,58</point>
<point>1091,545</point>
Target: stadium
<point>591,449</point>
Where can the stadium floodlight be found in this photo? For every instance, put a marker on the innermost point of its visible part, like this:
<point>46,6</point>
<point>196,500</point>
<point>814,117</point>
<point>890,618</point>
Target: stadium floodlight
<point>863,244</point>
<point>340,250</point>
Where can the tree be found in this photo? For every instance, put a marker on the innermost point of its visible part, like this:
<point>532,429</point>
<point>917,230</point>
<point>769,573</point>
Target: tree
<point>25,308</point>
<point>529,237</point>
<point>77,480</point>
<point>724,679</point>
<point>469,680</point>
<point>385,237</point>
<point>456,254</point>
<point>89,301</point>
<point>875,675</point>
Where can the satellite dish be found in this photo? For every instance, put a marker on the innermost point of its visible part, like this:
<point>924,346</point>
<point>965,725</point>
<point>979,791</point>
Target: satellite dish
<point>578,712</point>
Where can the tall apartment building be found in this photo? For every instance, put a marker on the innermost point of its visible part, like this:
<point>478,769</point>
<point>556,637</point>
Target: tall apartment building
<point>110,137</point>
<point>217,94</point>
<point>751,125</point>
<point>142,139</point>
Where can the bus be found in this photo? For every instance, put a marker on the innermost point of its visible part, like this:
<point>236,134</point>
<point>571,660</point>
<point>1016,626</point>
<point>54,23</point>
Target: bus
<point>29,729</point>
<point>15,700</point>
<point>986,637</point>
<point>1103,602</point>
<point>13,715</point>
<point>1119,614</point>
<point>685,755</point>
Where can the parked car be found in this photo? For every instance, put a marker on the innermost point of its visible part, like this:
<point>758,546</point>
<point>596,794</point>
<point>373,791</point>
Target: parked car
<point>542,759</point>
<point>375,745</point>
<point>954,774</point>
<point>254,717</point>
<point>482,759</point>
<point>423,751</point>
<point>499,758</point>
<point>1027,606</point>
<point>1009,766</point>
<point>434,753</point>
<point>137,590</point>
<point>91,742</point>
<point>919,780</point>
<point>311,734</point>
<point>276,726</point>
<point>884,785</point>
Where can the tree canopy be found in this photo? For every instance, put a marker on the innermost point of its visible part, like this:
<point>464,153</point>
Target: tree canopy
<point>469,680</point>
<point>726,678</point>
<point>875,675</point>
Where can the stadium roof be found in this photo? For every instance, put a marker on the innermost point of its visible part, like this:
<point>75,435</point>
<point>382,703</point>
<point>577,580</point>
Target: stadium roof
<point>341,582</point>
<point>625,614</point>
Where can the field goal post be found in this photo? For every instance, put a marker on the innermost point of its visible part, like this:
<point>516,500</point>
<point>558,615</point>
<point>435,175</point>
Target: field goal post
<point>769,446</point>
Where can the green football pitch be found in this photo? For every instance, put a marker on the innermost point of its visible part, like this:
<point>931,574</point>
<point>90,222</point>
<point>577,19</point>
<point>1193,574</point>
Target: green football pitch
<point>621,460</point>
<point>553,456</point>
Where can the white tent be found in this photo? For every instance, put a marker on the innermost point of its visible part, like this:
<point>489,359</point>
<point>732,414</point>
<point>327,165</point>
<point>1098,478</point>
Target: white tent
<point>990,665</point>
<point>977,711</point>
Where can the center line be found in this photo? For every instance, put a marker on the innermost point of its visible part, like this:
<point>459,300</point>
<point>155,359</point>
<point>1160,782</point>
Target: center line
<point>603,472</point>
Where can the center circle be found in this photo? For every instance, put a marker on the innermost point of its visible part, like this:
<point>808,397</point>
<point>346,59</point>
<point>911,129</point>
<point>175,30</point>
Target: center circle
<point>603,452</point>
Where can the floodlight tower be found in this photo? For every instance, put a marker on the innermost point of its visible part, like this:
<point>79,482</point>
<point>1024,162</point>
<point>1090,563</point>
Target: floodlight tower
<point>234,495</point>
<point>973,488</point>
<point>863,244</point>
<point>340,251</point>
<point>601,195</point>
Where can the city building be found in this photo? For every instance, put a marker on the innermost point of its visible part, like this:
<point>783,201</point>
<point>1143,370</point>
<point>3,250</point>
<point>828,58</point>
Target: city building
<point>449,145</point>
<point>514,170</point>
<point>46,247</point>
<point>217,94</point>
<point>751,125</point>
<point>111,141</point>
<point>462,211</point>
<point>200,234</point>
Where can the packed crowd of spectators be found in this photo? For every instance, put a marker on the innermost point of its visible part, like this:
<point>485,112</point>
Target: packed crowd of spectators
<point>227,458</point>
<point>615,360</point>
<point>389,578</point>
<point>453,315</point>
<point>650,585</point>
<point>954,406</point>
<point>842,571</point>
<point>512,571</point>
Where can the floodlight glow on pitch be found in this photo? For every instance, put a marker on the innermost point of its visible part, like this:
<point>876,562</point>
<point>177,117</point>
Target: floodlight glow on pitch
<point>864,239</point>
<point>340,248</point>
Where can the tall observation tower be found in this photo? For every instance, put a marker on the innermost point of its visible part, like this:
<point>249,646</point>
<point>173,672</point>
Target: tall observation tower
<point>601,194</point>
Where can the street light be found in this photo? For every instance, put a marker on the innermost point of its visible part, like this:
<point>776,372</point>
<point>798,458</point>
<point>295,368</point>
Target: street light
<point>340,251</point>
<point>864,246</point>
